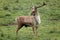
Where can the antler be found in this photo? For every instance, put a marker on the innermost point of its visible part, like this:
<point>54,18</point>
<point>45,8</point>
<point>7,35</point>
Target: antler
<point>42,5</point>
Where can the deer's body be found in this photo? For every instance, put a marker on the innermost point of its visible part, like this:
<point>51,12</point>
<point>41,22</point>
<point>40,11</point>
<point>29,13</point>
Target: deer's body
<point>25,20</point>
<point>28,21</point>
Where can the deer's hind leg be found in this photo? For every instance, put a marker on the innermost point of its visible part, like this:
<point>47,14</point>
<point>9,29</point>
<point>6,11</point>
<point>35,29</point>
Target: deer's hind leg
<point>19,27</point>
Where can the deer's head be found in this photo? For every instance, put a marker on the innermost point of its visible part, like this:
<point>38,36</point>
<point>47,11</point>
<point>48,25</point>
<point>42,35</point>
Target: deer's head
<point>34,8</point>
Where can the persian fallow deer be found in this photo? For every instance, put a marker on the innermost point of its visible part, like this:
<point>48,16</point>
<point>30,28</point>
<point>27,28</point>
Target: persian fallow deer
<point>32,21</point>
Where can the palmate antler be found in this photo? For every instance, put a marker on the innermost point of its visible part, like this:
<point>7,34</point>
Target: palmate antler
<point>41,5</point>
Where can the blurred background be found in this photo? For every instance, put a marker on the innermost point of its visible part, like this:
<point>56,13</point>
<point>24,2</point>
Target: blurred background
<point>49,29</point>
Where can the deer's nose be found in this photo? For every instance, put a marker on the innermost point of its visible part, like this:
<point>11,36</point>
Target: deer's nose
<point>33,10</point>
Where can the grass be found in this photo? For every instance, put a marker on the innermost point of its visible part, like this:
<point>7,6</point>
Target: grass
<point>49,29</point>
<point>45,32</point>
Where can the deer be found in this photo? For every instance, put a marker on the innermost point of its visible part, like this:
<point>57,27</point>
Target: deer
<point>29,21</point>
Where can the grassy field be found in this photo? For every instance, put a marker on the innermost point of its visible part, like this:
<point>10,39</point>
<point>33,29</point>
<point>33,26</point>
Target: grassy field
<point>45,32</point>
<point>49,29</point>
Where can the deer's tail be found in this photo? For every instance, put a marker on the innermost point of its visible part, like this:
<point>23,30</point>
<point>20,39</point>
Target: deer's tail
<point>16,20</point>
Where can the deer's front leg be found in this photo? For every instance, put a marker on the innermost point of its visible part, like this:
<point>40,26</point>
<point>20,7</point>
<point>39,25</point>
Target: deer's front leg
<point>33,30</point>
<point>36,30</point>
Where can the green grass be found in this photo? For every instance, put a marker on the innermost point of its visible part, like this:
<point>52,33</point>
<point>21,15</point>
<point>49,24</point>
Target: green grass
<point>49,29</point>
<point>45,32</point>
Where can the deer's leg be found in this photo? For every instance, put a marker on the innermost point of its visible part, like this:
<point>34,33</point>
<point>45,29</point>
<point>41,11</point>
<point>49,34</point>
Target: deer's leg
<point>19,27</point>
<point>36,30</point>
<point>33,29</point>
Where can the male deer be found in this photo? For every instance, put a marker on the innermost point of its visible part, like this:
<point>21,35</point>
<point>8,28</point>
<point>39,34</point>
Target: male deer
<point>32,21</point>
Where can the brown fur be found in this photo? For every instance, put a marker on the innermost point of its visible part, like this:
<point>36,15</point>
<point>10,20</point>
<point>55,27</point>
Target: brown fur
<point>25,20</point>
